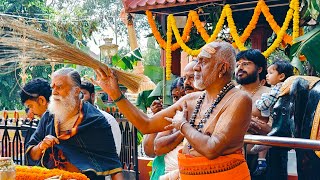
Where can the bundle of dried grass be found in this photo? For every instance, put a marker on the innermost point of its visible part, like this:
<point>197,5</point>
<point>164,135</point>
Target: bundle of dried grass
<point>26,44</point>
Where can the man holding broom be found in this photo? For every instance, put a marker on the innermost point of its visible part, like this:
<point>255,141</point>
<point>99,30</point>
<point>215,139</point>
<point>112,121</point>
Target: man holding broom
<point>213,122</point>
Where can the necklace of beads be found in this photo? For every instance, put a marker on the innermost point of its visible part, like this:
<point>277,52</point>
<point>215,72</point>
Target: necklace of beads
<point>222,93</point>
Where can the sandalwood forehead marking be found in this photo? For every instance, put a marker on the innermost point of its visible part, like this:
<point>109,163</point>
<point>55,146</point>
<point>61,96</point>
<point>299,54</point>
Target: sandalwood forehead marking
<point>207,51</point>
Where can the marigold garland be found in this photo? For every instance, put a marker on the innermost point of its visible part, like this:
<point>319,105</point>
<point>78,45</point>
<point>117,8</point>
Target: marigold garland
<point>184,47</point>
<point>280,35</point>
<point>40,173</point>
<point>218,26</point>
<point>252,24</point>
<point>296,18</point>
<point>233,28</point>
<point>162,43</point>
<point>193,17</point>
<point>198,24</point>
<point>168,49</point>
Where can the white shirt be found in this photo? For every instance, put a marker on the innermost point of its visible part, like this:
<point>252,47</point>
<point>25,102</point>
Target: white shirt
<point>115,130</point>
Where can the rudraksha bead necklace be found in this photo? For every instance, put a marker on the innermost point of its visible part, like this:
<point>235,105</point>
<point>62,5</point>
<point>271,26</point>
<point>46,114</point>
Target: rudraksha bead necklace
<point>221,94</point>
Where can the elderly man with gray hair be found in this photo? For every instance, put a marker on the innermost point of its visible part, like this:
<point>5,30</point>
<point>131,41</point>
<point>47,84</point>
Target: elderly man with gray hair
<point>73,135</point>
<point>213,121</point>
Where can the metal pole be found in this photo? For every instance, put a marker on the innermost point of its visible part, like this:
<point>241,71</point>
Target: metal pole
<point>283,142</point>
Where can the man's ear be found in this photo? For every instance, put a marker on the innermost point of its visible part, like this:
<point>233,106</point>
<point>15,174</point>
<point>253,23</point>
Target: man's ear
<point>42,100</point>
<point>259,70</point>
<point>224,67</point>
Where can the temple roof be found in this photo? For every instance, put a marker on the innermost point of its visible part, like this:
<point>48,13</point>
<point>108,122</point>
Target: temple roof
<point>136,6</point>
<point>242,9</point>
<point>173,6</point>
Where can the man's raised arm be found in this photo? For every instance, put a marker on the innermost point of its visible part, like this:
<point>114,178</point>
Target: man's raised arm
<point>140,120</point>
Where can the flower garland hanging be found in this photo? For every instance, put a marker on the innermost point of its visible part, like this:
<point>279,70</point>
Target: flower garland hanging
<point>280,35</point>
<point>168,49</point>
<point>200,28</point>
<point>252,24</point>
<point>295,6</point>
<point>184,47</point>
<point>233,28</point>
<point>219,26</point>
<point>36,172</point>
<point>193,17</point>
<point>162,43</point>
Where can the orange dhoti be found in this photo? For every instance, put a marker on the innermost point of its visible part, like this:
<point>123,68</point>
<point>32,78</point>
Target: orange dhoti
<point>231,166</point>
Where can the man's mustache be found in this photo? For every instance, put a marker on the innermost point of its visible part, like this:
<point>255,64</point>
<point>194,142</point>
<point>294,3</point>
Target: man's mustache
<point>56,97</point>
<point>241,71</point>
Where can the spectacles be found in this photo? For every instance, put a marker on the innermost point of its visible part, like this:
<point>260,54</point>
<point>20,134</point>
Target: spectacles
<point>243,63</point>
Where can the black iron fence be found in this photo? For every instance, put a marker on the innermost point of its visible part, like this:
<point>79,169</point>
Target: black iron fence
<point>14,134</point>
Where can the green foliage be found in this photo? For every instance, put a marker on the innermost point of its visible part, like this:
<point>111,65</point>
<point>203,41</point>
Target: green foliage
<point>8,92</point>
<point>308,45</point>
<point>127,61</point>
<point>155,73</point>
<point>311,9</point>
<point>152,55</point>
<point>75,32</point>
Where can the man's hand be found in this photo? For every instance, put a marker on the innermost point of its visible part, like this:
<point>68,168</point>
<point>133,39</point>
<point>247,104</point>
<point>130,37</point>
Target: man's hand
<point>156,106</point>
<point>258,126</point>
<point>108,81</point>
<point>179,119</point>
<point>47,142</point>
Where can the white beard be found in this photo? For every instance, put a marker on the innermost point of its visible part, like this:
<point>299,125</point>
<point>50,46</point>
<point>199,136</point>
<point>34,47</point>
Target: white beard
<point>199,84</point>
<point>62,107</point>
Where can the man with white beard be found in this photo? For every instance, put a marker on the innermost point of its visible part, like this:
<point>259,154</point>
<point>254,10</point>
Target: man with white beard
<point>73,135</point>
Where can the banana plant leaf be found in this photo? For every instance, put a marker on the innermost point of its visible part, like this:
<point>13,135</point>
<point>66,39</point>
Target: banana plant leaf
<point>308,45</point>
<point>129,60</point>
<point>155,73</point>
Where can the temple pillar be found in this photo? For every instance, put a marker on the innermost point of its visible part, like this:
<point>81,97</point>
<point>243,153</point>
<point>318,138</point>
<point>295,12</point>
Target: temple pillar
<point>259,36</point>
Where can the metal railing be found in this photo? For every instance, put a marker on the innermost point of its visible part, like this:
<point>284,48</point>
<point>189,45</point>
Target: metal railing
<point>13,136</point>
<point>282,142</point>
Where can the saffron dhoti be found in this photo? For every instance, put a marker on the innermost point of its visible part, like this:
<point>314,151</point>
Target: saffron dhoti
<point>231,166</point>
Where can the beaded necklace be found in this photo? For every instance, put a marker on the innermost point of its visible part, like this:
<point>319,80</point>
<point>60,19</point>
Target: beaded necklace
<point>221,94</point>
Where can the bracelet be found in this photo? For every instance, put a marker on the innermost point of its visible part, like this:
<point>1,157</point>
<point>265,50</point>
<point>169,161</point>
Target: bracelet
<point>119,98</point>
<point>183,123</point>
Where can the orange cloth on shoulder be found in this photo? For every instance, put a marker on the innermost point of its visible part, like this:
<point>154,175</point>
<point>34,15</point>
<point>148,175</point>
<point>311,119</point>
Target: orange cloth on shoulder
<point>226,167</point>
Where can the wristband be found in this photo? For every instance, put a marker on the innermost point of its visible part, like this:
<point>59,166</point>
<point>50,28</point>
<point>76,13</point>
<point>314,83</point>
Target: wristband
<point>119,98</point>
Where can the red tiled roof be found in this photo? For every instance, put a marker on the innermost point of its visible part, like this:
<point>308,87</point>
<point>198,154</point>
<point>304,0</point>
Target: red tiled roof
<point>142,5</point>
<point>132,4</point>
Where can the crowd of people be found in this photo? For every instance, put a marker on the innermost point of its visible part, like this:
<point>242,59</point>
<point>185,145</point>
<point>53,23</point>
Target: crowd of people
<point>199,136</point>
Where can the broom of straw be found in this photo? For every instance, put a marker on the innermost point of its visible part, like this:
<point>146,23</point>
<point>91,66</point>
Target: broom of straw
<point>30,45</point>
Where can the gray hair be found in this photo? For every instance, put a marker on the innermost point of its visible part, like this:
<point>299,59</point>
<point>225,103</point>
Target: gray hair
<point>224,52</point>
<point>72,73</point>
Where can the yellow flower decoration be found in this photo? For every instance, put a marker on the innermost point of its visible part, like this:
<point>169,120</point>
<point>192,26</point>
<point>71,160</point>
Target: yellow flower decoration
<point>193,17</point>
<point>36,172</point>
